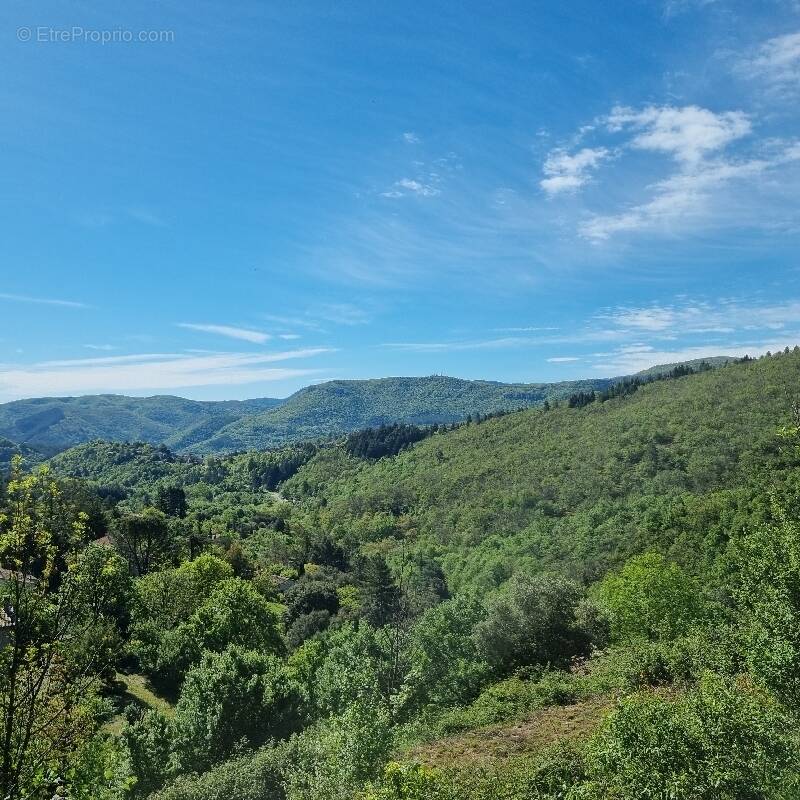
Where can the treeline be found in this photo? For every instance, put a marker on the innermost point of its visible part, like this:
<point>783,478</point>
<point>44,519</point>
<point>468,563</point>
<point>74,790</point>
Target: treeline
<point>628,386</point>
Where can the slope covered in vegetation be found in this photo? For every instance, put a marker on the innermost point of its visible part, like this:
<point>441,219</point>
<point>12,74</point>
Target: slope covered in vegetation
<point>54,424</point>
<point>339,407</point>
<point>576,488</point>
<point>593,600</point>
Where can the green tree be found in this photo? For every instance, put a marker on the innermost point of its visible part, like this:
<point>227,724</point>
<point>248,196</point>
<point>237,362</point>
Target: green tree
<point>145,540</point>
<point>381,598</point>
<point>722,741</point>
<point>533,621</point>
<point>767,594</point>
<point>234,614</point>
<point>55,644</point>
<point>232,698</point>
<point>172,501</point>
<point>650,598</point>
<point>447,668</point>
<point>147,744</point>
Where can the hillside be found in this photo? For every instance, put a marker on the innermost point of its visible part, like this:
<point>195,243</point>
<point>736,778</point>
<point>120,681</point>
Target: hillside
<point>51,425</point>
<point>575,488</point>
<point>9,449</point>
<point>341,406</point>
<point>502,603</point>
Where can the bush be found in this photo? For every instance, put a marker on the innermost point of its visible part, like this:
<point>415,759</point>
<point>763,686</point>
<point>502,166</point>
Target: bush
<point>725,740</point>
<point>511,699</point>
<point>254,776</point>
<point>650,598</point>
<point>234,698</point>
<point>532,622</point>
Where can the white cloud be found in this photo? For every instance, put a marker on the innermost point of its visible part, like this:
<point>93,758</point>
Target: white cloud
<point>449,347</point>
<point>245,334</point>
<point>100,347</point>
<point>407,186</point>
<point>688,133</point>
<point>704,318</point>
<point>563,359</point>
<point>567,172</point>
<point>687,195</point>
<point>410,137</point>
<point>777,61</point>
<point>288,336</point>
<point>527,329</point>
<point>293,322</point>
<point>21,298</point>
<point>147,372</point>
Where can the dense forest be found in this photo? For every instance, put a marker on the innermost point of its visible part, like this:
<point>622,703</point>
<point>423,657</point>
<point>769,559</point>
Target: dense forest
<point>48,425</point>
<point>596,597</point>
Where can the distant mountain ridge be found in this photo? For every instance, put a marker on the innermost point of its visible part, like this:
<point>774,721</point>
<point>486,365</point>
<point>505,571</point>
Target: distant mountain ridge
<point>49,425</point>
<point>52,424</point>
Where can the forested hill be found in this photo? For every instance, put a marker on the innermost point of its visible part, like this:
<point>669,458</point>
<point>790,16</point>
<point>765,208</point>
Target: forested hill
<point>588,600</point>
<point>576,488</point>
<point>50,425</point>
<point>341,406</point>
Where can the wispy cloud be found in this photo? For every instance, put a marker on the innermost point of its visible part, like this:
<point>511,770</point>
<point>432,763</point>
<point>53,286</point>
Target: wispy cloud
<point>725,316</point>
<point>777,61</point>
<point>695,138</point>
<point>244,334</point>
<point>45,301</point>
<point>100,347</point>
<point>409,137</point>
<point>563,359</point>
<point>450,347</point>
<point>625,361</point>
<point>300,321</point>
<point>688,134</point>
<point>527,329</point>
<point>149,372</point>
<point>409,186</point>
<point>566,173</point>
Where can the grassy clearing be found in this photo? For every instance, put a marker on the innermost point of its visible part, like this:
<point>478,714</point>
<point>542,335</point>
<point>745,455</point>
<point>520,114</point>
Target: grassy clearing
<point>135,689</point>
<point>543,728</point>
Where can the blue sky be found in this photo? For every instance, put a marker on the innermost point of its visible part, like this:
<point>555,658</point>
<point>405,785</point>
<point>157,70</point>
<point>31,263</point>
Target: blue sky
<point>257,196</point>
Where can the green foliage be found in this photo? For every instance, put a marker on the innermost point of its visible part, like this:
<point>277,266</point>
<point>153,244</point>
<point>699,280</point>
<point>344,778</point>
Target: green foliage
<point>511,699</point>
<point>146,742</point>
<point>460,588</point>
<point>767,592</point>
<point>650,598</point>
<point>58,638</point>
<point>675,467</point>
<point>234,698</point>
<point>234,613</point>
<point>446,667</point>
<point>145,540</point>
<point>255,776</point>
<point>54,424</point>
<point>51,424</point>
<point>551,775</point>
<point>337,407</point>
<point>723,741</point>
<point>532,622</point>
